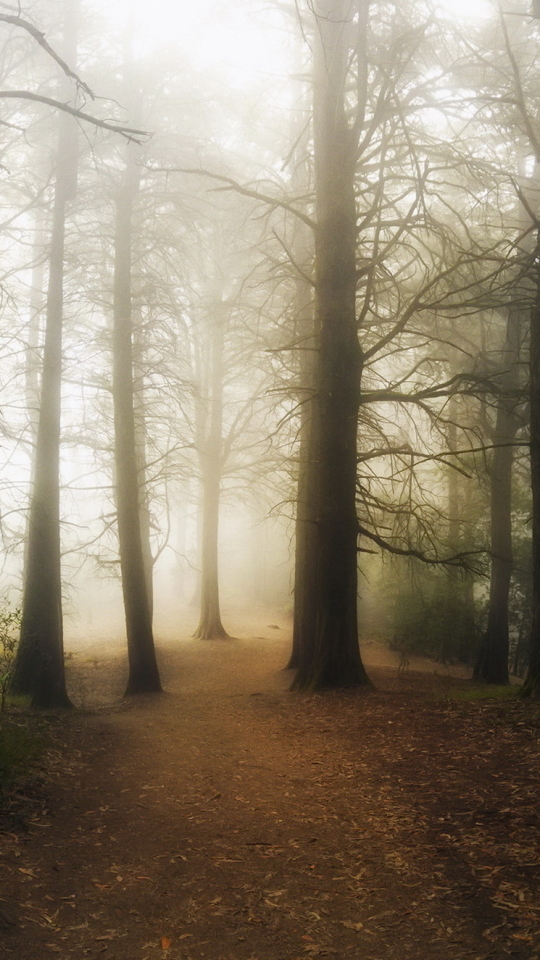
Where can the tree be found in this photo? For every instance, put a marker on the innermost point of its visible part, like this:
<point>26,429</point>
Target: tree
<point>492,663</point>
<point>39,668</point>
<point>210,446</point>
<point>143,670</point>
<point>331,658</point>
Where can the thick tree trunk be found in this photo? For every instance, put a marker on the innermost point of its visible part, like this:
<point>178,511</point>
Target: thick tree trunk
<point>333,659</point>
<point>39,668</point>
<point>531,686</point>
<point>143,669</point>
<point>210,626</point>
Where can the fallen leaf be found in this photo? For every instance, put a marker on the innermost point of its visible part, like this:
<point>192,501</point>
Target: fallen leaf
<point>165,943</point>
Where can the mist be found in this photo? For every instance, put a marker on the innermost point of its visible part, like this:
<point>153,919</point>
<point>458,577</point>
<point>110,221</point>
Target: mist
<point>267,301</point>
<point>270,479</point>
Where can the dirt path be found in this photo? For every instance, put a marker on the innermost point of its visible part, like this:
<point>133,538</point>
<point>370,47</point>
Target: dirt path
<point>231,820</point>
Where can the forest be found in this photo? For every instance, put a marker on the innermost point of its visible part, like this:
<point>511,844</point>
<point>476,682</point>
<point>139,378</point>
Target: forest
<point>270,479</point>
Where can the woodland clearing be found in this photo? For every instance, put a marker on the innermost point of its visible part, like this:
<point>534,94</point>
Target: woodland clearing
<point>229,819</point>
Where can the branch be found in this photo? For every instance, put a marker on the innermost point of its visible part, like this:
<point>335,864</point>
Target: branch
<point>243,191</point>
<point>39,37</point>
<point>451,387</point>
<point>457,560</point>
<point>305,276</point>
<point>128,132</point>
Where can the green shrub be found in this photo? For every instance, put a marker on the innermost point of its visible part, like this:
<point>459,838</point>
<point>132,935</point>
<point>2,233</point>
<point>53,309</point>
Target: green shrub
<point>436,617</point>
<point>10,623</point>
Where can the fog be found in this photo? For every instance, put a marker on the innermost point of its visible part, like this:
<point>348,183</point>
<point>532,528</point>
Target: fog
<point>267,279</point>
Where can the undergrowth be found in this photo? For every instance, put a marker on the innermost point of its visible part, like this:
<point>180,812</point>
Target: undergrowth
<point>479,691</point>
<point>19,748</point>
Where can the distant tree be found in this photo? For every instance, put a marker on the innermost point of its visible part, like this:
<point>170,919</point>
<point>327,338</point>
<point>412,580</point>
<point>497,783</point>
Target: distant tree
<point>210,450</point>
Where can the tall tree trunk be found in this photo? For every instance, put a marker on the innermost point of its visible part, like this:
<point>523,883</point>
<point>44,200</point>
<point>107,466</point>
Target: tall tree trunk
<point>139,408</point>
<point>210,626</point>
<point>143,670</point>
<point>333,659</point>
<point>447,644</point>
<point>39,668</point>
<point>305,557</point>
<point>492,662</point>
<point>32,351</point>
<point>531,687</point>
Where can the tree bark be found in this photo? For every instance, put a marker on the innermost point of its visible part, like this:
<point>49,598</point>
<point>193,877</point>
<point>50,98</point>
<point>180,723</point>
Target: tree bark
<point>143,670</point>
<point>531,687</point>
<point>305,557</point>
<point>39,668</point>
<point>333,658</point>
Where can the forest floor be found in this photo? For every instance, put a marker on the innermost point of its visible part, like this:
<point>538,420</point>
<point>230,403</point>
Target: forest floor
<point>232,820</point>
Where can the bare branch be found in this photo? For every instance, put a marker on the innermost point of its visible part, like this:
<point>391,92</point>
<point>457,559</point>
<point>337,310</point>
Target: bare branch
<point>128,132</point>
<point>457,560</point>
<point>39,37</point>
<point>243,191</point>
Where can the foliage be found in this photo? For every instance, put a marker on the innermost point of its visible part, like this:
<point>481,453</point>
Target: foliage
<point>10,622</point>
<point>435,616</point>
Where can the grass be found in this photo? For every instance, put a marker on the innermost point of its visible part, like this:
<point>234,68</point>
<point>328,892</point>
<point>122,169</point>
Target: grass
<point>480,691</point>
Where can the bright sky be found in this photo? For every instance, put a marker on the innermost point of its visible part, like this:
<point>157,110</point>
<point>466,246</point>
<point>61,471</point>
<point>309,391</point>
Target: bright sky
<point>232,37</point>
<point>217,32</point>
<point>212,31</point>
<point>466,8</point>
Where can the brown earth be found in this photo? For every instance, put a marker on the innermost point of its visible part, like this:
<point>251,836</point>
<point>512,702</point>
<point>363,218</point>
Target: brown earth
<point>232,820</point>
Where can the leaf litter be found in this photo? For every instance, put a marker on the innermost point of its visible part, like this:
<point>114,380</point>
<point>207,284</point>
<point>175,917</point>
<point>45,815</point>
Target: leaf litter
<point>210,827</point>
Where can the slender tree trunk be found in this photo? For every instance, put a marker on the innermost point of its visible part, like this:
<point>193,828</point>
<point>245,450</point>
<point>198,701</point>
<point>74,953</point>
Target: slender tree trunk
<point>492,662</point>
<point>333,659</point>
<point>39,668</point>
<point>140,447</point>
<point>454,524</point>
<point>210,626</point>
<point>143,669</point>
